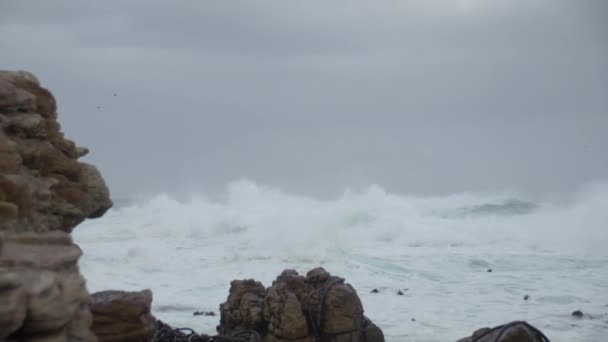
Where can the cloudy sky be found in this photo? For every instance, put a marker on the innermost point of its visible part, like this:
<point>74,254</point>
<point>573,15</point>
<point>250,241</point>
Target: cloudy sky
<point>421,97</point>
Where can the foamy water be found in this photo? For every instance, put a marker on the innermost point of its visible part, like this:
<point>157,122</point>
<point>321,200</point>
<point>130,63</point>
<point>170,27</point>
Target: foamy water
<point>438,248</point>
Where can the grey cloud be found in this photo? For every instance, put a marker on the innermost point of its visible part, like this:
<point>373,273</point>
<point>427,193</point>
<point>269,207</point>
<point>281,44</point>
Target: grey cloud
<point>422,97</point>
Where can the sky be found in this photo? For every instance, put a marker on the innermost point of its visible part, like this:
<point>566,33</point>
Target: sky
<point>419,97</point>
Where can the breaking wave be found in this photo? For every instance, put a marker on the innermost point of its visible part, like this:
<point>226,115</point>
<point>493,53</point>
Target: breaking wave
<point>187,251</point>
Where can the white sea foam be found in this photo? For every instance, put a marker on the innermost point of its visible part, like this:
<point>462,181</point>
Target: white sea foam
<point>439,248</point>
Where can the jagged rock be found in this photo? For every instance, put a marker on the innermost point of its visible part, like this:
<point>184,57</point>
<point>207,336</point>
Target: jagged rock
<point>44,192</point>
<point>318,307</point>
<point>42,294</point>
<point>284,313</point>
<point>244,308</point>
<point>518,331</point>
<point>39,171</point>
<point>120,316</point>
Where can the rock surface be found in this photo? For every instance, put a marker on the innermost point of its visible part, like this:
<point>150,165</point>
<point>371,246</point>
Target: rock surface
<point>318,307</point>
<point>123,316</point>
<point>518,331</point>
<point>44,193</point>
<point>43,187</point>
<point>42,294</point>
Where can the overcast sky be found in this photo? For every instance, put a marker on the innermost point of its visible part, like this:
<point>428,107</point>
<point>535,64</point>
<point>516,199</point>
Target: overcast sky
<point>425,97</point>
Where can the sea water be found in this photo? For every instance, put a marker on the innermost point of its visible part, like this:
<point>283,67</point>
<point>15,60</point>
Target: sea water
<point>436,250</point>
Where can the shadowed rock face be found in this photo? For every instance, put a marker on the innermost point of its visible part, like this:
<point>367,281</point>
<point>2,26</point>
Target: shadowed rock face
<point>43,187</point>
<point>518,331</point>
<point>319,307</point>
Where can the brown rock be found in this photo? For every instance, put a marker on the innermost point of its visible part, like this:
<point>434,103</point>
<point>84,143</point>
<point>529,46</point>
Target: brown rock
<point>43,190</point>
<point>318,307</point>
<point>8,212</point>
<point>343,310</point>
<point>371,332</point>
<point>42,294</point>
<point>26,125</point>
<point>244,308</point>
<point>284,313</point>
<point>13,303</point>
<point>55,191</point>
<point>13,98</point>
<point>123,316</point>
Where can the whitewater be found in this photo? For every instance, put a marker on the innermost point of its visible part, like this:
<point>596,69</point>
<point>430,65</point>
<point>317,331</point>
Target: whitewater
<point>438,250</point>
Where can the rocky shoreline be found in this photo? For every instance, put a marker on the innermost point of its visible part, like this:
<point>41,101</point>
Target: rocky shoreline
<point>45,192</point>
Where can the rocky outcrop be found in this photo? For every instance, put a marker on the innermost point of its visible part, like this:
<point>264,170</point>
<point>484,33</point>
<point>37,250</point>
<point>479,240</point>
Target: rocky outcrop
<point>43,187</point>
<point>42,294</point>
<point>44,193</point>
<point>518,331</point>
<point>318,307</point>
<point>120,316</point>
<point>244,308</point>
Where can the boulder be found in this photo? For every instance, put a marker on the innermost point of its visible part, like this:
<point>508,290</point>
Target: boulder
<point>120,316</point>
<point>517,331</point>
<point>42,294</point>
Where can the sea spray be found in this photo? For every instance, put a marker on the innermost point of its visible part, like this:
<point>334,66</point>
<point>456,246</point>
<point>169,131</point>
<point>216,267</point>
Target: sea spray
<point>188,251</point>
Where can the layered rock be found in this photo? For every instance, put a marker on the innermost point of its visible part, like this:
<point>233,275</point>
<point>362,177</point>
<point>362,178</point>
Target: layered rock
<point>42,294</point>
<point>43,187</point>
<point>319,307</point>
<point>44,193</point>
<point>120,316</point>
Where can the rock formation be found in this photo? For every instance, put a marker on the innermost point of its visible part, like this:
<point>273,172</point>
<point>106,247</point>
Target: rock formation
<point>43,187</point>
<point>316,308</point>
<point>122,316</point>
<point>44,193</point>
<point>517,331</point>
<point>42,294</point>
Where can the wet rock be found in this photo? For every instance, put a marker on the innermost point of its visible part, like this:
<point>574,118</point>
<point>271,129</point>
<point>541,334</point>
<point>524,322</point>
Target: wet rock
<point>577,314</point>
<point>374,291</point>
<point>122,316</point>
<point>489,270</point>
<point>526,297</point>
<point>203,313</point>
<point>284,313</point>
<point>400,293</point>
<point>370,331</point>
<point>296,308</point>
<point>244,308</point>
<point>517,331</point>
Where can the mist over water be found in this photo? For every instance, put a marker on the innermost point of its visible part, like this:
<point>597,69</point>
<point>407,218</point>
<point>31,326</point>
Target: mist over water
<point>438,248</point>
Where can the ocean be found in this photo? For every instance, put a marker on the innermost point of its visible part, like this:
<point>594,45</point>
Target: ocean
<point>437,250</point>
